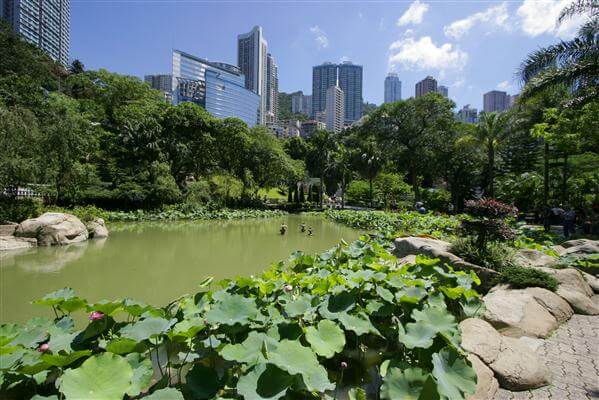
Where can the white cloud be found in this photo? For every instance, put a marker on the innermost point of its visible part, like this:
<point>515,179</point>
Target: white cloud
<point>322,41</point>
<point>422,53</point>
<point>505,85</point>
<point>540,16</point>
<point>414,14</point>
<point>494,16</point>
<point>458,83</point>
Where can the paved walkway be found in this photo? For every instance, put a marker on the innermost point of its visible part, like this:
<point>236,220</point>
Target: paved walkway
<point>572,356</point>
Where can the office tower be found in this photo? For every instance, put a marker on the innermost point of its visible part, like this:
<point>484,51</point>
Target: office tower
<point>443,90</point>
<point>392,88</point>
<point>218,87</point>
<point>350,81</point>
<point>162,82</point>
<point>495,100</point>
<point>335,114</point>
<point>45,23</point>
<point>252,50</point>
<point>297,102</point>
<point>272,89</point>
<point>468,114</point>
<point>427,85</point>
<point>307,105</point>
<point>323,77</point>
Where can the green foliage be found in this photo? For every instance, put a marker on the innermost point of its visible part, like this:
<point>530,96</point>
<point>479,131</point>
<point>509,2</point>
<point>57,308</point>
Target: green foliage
<point>13,210</point>
<point>495,256</point>
<point>521,278</point>
<point>190,212</point>
<point>291,332</point>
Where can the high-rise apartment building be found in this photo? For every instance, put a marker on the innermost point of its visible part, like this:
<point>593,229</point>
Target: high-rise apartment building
<point>307,105</point>
<point>162,82</point>
<point>468,114</point>
<point>272,89</point>
<point>427,85</point>
<point>495,100</point>
<point>297,102</point>
<point>252,54</point>
<point>45,23</point>
<point>335,114</point>
<point>392,88</point>
<point>350,81</point>
<point>323,77</point>
<point>218,87</point>
<point>443,90</point>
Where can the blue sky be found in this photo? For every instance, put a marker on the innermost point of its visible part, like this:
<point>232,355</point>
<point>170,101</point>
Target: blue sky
<point>470,46</point>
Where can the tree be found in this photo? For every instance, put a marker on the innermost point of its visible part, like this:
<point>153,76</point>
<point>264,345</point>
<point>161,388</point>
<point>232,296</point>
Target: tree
<point>574,63</point>
<point>371,163</point>
<point>76,67</point>
<point>490,134</point>
<point>320,146</point>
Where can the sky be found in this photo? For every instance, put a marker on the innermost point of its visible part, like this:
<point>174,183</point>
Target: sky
<point>470,46</point>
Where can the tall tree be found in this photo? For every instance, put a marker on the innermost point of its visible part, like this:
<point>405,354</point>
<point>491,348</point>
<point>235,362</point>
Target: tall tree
<point>490,134</point>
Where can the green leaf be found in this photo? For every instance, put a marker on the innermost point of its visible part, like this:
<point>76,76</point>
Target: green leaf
<point>165,394</point>
<point>418,334</point>
<point>359,323</point>
<point>385,294</point>
<point>439,318</point>
<point>202,382</point>
<point>473,307</point>
<point>147,328</point>
<point>411,294</point>
<point>103,377</point>
<point>60,340</point>
<point>142,373</point>
<point>106,307</point>
<point>454,376</point>
<point>298,307</point>
<point>231,309</point>
<point>356,394</point>
<point>124,346</point>
<point>405,385</point>
<point>327,339</point>
<point>62,360</point>
<point>206,282</point>
<point>294,358</point>
<point>55,298</point>
<point>188,328</point>
<point>264,382</point>
<point>8,332</point>
<point>250,351</point>
<point>34,332</point>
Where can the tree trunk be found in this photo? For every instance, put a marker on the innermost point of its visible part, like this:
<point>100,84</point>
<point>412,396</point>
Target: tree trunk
<point>565,180</point>
<point>546,222</point>
<point>343,192</point>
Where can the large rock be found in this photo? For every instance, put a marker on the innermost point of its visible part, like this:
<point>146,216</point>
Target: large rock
<point>486,384</point>
<point>533,258</point>
<point>515,365</point>
<point>16,243</point>
<point>557,306</point>
<point>440,249</point>
<point>579,248</point>
<point>575,290</point>
<point>581,242</point>
<point>53,229</point>
<point>97,229</point>
<point>592,280</point>
<point>8,229</point>
<point>516,313</point>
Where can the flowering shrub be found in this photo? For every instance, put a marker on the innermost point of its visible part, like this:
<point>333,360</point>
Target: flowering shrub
<point>307,328</point>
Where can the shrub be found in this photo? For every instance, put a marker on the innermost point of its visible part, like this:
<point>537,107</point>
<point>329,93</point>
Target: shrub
<point>84,213</point>
<point>17,210</point>
<point>496,256</point>
<point>522,278</point>
<point>436,199</point>
<point>198,193</point>
<point>358,193</point>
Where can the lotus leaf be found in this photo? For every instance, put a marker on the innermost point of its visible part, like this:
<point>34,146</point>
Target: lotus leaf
<point>419,334</point>
<point>264,382</point>
<point>165,394</point>
<point>142,373</point>
<point>455,378</point>
<point>147,328</point>
<point>231,309</point>
<point>327,339</point>
<point>359,323</point>
<point>405,385</point>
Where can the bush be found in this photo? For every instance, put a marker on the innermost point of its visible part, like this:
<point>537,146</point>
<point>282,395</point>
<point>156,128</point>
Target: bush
<point>521,278</point>
<point>198,193</point>
<point>358,193</point>
<point>84,213</point>
<point>17,210</point>
<point>496,256</point>
<point>436,199</point>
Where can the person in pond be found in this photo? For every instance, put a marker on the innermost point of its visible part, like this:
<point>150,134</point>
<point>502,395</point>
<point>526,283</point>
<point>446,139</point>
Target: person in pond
<point>283,229</point>
<point>310,231</point>
<point>303,227</point>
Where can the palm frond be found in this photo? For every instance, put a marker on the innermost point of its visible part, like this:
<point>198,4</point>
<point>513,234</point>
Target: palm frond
<point>579,75</point>
<point>578,7</point>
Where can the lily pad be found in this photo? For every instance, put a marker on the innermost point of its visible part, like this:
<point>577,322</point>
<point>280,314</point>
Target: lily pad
<point>419,334</point>
<point>103,377</point>
<point>250,351</point>
<point>438,318</point>
<point>165,394</point>
<point>405,385</point>
<point>264,382</point>
<point>231,309</point>
<point>147,328</point>
<point>142,373</point>
<point>455,378</point>
<point>359,323</point>
<point>327,339</point>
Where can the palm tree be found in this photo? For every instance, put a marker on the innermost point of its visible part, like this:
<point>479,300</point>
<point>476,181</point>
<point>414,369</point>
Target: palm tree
<point>490,133</point>
<point>573,63</point>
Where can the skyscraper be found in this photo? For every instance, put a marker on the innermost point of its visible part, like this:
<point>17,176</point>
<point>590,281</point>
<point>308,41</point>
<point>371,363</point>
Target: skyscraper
<point>323,77</point>
<point>392,88</point>
<point>45,23</point>
<point>335,109</point>
<point>252,53</point>
<point>468,114</point>
<point>443,90</point>
<point>427,85</point>
<point>162,82</point>
<point>272,89</point>
<point>218,87</point>
<point>350,81</point>
<point>297,102</point>
<point>307,105</point>
<point>495,100</point>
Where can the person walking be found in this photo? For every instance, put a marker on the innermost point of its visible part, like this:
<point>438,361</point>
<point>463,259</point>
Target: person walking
<point>569,222</point>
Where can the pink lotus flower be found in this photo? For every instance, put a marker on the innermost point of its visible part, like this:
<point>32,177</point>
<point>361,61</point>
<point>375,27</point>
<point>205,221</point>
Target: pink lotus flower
<point>96,315</point>
<point>288,288</point>
<point>343,365</point>
<point>43,348</point>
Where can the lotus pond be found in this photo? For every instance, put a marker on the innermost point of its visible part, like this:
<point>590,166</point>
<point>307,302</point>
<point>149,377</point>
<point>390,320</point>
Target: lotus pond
<point>156,262</point>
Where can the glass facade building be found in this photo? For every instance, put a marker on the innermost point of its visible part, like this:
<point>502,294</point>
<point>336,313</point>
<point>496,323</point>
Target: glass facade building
<point>218,87</point>
<point>45,23</point>
<point>392,88</point>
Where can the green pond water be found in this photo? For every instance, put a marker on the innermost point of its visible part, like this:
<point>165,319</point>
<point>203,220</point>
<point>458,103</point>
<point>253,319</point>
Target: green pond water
<point>156,262</point>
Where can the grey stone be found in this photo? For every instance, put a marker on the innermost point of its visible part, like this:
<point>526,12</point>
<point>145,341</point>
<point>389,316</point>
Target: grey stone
<point>592,280</point>
<point>557,306</point>
<point>53,229</point>
<point>16,243</point>
<point>97,229</point>
<point>8,229</point>
<point>486,384</point>
<point>517,313</point>
<point>533,258</point>
<point>574,289</point>
<point>480,338</point>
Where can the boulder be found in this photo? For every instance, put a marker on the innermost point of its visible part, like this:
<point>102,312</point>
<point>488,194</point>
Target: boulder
<point>580,303</point>
<point>440,249</point>
<point>574,289</point>
<point>581,242</point>
<point>411,259</point>
<point>97,229</point>
<point>516,313</point>
<point>515,365</point>
<point>557,306</point>
<point>592,280</point>
<point>16,243</point>
<point>518,367</point>
<point>53,229</point>
<point>533,258</point>
<point>580,248</point>
<point>8,229</point>
<point>486,384</point>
